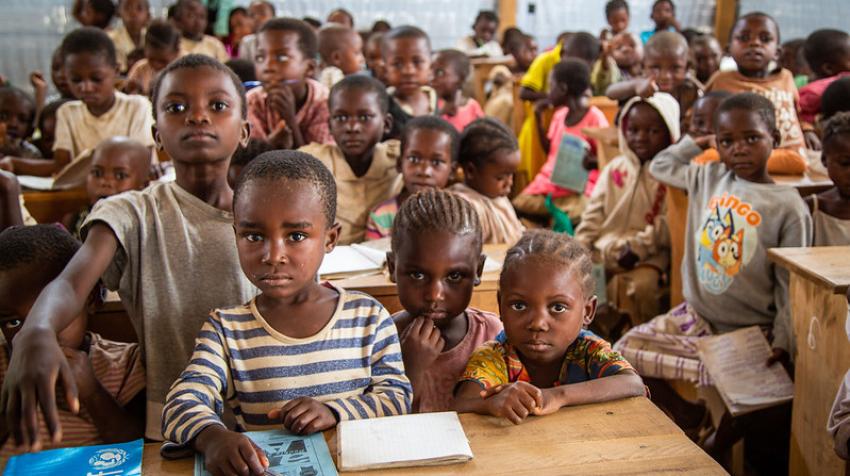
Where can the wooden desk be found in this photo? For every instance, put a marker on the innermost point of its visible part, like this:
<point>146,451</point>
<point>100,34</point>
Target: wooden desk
<point>819,279</point>
<point>806,184</point>
<point>608,106</point>
<point>624,437</point>
<point>51,206</point>
<point>381,288</point>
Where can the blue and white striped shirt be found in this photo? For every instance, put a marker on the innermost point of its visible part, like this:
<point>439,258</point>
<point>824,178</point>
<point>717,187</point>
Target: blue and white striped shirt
<point>353,365</point>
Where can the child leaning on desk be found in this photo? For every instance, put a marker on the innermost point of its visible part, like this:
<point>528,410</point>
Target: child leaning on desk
<point>545,359</point>
<point>301,355</point>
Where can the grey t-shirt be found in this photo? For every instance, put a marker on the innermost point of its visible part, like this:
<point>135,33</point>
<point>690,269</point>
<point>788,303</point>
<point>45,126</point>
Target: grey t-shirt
<point>726,274</point>
<point>176,262</point>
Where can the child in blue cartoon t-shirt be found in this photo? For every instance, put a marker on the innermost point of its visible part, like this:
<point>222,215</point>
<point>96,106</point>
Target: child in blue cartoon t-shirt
<point>736,213</point>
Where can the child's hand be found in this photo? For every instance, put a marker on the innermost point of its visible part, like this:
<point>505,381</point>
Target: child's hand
<point>627,259</point>
<point>513,401</point>
<point>550,405</point>
<point>281,99</point>
<point>706,142</point>
<point>304,416</point>
<point>423,343</point>
<point>7,164</point>
<point>646,87</point>
<point>229,452</point>
<point>589,162</point>
<point>281,137</point>
<point>781,356</point>
<point>812,140</point>
<point>39,84</point>
<point>83,372</point>
<point>541,105</point>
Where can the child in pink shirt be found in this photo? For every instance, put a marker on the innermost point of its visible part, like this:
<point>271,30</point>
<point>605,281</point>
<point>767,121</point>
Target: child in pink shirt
<point>570,94</point>
<point>450,69</point>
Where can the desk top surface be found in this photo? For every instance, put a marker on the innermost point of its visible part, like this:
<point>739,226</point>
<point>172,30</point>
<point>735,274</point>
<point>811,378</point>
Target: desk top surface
<point>826,265</point>
<point>623,437</point>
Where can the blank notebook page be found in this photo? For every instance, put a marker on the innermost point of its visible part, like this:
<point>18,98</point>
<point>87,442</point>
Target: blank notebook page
<point>407,440</point>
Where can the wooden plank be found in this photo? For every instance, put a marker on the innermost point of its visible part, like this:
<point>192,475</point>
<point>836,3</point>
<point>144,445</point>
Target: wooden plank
<point>629,436</point>
<point>807,184</point>
<point>52,206</point>
<point>608,106</point>
<point>828,266</point>
<point>823,356</point>
<point>724,20</point>
<point>507,14</point>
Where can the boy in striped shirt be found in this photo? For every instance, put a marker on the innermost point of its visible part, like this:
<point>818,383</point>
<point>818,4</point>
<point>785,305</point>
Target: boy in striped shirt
<point>301,354</point>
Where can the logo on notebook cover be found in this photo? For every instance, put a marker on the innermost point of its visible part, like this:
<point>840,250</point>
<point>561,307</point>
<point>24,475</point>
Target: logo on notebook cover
<point>108,458</point>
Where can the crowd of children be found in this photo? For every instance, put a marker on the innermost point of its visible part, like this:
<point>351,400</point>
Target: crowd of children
<point>328,136</point>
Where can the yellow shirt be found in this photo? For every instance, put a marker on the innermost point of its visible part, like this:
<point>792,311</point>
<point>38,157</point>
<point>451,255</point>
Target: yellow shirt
<point>357,195</point>
<point>209,46</point>
<point>532,155</point>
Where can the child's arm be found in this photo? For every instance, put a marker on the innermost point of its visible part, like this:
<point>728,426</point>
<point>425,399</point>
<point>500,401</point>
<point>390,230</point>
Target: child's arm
<point>512,401</point>
<point>542,133</point>
<point>282,100</point>
<point>114,423</point>
<point>39,86</point>
<point>624,90</point>
<point>421,345</point>
<point>37,363</point>
<point>10,204</point>
<point>528,94</point>
<point>622,385</point>
<point>671,165</point>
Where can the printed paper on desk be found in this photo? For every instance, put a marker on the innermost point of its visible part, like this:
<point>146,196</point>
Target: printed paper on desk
<point>424,439</point>
<point>118,459</point>
<point>736,362</point>
<point>353,260</point>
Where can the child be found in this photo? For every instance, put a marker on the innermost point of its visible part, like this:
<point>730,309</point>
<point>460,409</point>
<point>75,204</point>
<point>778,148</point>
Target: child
<point>500,101</point>
<point>129,35</point>
<point>243,156</point>
<point>617,15</point>
<point>260,11</point>
<point>546,358</point>
<point>374,58</point>
<point>620,61</point>
<point>664,16</point>
<point>428,158</point>
<point>831,209</point>
<point>340,16</point>
<point>705,56</point>
<point>136,242</point>
<point>240,25</point>
<point>450,69</point>
<point>336,353</point>
<point>57,76</point>
<point>828,55</point>
<point>190,17</point>
<point>436,262</point>
<point>290,109</point>
<point>101,112</point>
<point>489,157</point>
<point>523,49</point>
<point>162,46</point>
<point>47,128</point>
<point>109,375</point>
<point>365,170</point>
<point>407,55</point>
<point>624,221</point>
<point>569,94</point>
<point>754,43</point>
<point>17,113</point>
<point>836,98</point>
<point>340,49</point>
<point>793,59</point>
<point>482,42</point>
<point>118,164</point>
<point>735,214</point>
<point>94,13</point>
<point>665,69</point>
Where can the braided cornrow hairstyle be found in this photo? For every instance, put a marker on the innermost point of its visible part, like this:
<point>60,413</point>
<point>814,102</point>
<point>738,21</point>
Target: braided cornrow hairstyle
<point>435,209</point>
<point>482,138</point>
<point>556,248</point>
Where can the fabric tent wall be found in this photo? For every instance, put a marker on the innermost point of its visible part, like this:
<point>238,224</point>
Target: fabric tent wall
<point>798,19</point>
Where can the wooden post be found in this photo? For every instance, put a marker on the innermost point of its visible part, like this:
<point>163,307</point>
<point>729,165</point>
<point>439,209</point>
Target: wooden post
<point>507,14</point>
<point>724,20</point>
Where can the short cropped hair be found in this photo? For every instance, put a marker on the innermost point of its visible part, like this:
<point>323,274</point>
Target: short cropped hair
<point>295,166</point>
<point>406,31</point>
<point>89,40</point>
<point>254,149</point>
<point>458,60</point>
<point>614,5</point>
<point>659,2</point>
<point>482,138</point>
<point>823,45</point>
<point>50,110</point>
<point>15,91</point>
<point>749,15</point>
<point>837,125</point>
<point>584,46</point>
<point>331,37</point>
<point>363,83</point>
<point>667,43</point>
<point>835,98</point>
<point>551,247</point>
<point>307,41</point>
<point>44,250</point>
<point>432,123</point>
<point>574,73</point>
<point>432,210</point>
<point>194,61</point>
<point>749,102</point>
<point>162,34</point>
<point>486,15</point>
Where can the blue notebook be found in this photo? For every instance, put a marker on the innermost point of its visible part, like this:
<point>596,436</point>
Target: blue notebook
<point>569,171</point>
<point>289,455</point>
<point>121,459</point>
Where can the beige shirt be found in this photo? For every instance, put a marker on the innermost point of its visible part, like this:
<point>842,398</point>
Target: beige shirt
<point>123,44</point>
<point>357,195</point>
<point>828,230</point>
<point>209,46</point>
<point>77,130</point>
<point>499,223</point>
<point>175,263</point>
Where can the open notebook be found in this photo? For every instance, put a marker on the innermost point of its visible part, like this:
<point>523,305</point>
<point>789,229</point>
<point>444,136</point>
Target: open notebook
<point>423,439</point>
